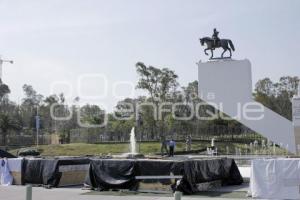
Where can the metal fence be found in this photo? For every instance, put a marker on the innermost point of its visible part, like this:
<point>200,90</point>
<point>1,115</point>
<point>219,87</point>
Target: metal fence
<point>222,133</point>
<point>28,140</point>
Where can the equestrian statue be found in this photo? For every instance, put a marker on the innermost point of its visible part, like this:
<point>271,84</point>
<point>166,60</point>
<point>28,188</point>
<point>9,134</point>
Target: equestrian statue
<point>215,42</point>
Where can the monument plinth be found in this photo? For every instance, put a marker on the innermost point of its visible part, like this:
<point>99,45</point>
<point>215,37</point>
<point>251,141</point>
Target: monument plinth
<point>296,119</point>
<point>227,85</point>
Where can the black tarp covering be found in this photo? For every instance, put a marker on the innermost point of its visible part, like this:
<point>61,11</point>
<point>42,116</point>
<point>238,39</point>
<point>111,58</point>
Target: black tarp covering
<point>113,174</point>
<point>46,171</point>
<point>200,171</point>
<point>120,174</point>
<point>5,154</point>
<point>159,167</point>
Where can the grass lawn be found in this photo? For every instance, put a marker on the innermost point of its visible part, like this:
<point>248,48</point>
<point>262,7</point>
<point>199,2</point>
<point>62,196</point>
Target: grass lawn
<point>81,149</point>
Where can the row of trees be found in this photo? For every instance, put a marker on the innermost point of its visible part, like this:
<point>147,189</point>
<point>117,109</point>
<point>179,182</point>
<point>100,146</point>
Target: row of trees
<point>160,84</point>
<point>277,95</point>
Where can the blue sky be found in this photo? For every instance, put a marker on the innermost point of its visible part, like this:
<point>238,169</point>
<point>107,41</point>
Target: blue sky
<point>56,41</point>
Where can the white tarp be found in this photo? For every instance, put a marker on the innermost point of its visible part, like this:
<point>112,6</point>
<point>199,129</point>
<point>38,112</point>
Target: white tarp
<point>6,167</point>
<point>5,176</point>
<point>275,179</point>
<point>15,164</point>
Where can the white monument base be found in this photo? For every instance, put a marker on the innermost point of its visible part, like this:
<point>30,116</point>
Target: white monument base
<point>227,85</point>
<point>296,120</point>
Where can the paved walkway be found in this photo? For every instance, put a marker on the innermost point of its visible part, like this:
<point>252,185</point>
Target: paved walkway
<point>39,193</point>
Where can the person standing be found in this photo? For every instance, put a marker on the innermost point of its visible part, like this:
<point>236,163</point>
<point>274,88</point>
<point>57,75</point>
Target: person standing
<point>164,145</point>
<point>172,145</point>
<point>188,143</point>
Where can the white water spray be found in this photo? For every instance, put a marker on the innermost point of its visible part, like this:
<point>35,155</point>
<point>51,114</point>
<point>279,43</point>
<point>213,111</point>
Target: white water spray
<point>132,141</point>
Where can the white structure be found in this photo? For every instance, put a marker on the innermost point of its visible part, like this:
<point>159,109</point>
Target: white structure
<point>296,118</point>
<point>227,85</point>
<point>275,178</point>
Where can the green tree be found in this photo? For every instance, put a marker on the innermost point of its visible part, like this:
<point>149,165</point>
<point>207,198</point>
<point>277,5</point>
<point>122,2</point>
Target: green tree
<point>5,104</point>
<point>277,95</point>
<point>32,98</point>
<point>92,114</point>
<point>30,104</point>
<point>7,123</point>
<point>4,90</point>
<point>159,83</point>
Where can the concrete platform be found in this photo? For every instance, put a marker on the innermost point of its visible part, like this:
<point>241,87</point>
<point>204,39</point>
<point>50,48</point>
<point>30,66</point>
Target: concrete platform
<point>39,193</point>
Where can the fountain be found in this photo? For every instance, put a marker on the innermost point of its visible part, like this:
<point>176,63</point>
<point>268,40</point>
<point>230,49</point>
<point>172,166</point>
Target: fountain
<point>133,153</point>
<point>227,150</point>
<point>132,142</point>
<point>212,142</point>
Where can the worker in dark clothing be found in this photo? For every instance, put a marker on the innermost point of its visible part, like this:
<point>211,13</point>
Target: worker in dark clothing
<point>164,146</point>
<point>172,145</point>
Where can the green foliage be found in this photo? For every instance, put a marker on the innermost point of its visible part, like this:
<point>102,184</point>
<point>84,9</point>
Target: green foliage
<point>161,86</point>
<point>91,114</point>
<point>147,148</point>
<point>7,123</point>
<point>4,90</point>
<point>159,83</point>
<point>32,98</point>
<point>277,96</point>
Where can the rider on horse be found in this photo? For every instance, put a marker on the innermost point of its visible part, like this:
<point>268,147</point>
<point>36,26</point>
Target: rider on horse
<point>215,37</point>
<point>215,42</point>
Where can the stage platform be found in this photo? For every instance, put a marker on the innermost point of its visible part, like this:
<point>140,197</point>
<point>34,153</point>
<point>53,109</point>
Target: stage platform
<point>184,174</point>
<point>187,174</point>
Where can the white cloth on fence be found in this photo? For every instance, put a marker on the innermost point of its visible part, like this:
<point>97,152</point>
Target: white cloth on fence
<point>5,175</point>
<point>15,164</point>
<point>275,179</point>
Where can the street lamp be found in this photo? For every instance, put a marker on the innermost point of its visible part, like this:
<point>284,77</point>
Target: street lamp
<point>1,62</point>
<point>139,123</point>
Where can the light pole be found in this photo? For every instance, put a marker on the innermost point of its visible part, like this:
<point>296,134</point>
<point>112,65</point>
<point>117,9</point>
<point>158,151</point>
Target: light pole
<point>1,63</point>
<point>139,124</point>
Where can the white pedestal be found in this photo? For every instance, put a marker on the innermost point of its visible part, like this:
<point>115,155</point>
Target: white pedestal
<point>296,121</point>
<point>228,83</point>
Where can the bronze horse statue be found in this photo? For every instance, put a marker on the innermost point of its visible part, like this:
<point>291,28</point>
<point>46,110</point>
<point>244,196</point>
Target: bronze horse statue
<point>226,44</point>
